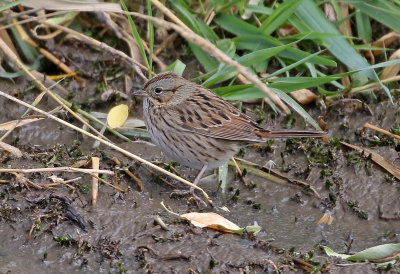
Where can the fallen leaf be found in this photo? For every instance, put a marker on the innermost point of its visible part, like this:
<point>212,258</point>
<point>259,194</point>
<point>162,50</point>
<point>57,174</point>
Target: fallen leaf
<point>326,219</point>
<point>117,116</point>
<point>392,71</point>
<point>211,220</point>
<point>376,254</point>
<point>304,96</point>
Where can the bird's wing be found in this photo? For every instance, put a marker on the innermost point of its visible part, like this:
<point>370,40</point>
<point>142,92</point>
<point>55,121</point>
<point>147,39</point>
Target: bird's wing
<point>207,114</point>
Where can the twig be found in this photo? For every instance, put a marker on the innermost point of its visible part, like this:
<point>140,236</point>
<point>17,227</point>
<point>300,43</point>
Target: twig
<point>107,183</point>
<point>368,125</point>
<point>123,151</point>
<point>95,181</point>
<point>56,169</point>
<point>239,171</point>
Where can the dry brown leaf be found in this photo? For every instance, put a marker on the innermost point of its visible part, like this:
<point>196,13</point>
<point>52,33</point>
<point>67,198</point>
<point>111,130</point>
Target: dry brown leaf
<point>211,220</point>
<point>303,96</point>
<point>23,121</point>
<point>378,159</point>
<point>383,42</point>
<point>326,219</point>
<point>392,71</point>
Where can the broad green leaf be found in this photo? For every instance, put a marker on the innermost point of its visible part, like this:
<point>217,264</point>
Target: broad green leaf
<point>195,24</point>
<point>227,46</point>
<point>382,11</point>
<point>209,63</point>
<point>177,66</point>
<point>296,107</point>
<point>27,50</point>
<point>287,68</point>
<point>364,29</point>
<point>236,25</point>
<point>380,253</point>
<point>279,16</point>
<point>258,42</point>
<point>58,20</point>
<point>314,18</point>
<point>252,58</point>
<point>184,13</point>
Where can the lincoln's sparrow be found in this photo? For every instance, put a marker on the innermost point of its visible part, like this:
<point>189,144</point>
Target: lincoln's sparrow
<point>194,126</point>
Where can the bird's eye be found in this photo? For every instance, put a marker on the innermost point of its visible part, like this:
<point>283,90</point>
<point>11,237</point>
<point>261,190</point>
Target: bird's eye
<point>158,90</point>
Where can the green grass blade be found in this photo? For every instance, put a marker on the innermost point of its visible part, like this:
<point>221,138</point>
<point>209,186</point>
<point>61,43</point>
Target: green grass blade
<point>382,11</point>
<point>136,36</point>
<point>364,29</point>
<point>151,38</point>
<point>279,16</point>
<point>287,68</point>
<point>314,18</point>
<point>177,66</point>
<point>257,42</point>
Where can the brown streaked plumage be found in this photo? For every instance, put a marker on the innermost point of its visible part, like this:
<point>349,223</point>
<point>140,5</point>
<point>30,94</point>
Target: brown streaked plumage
<point>194,126</point>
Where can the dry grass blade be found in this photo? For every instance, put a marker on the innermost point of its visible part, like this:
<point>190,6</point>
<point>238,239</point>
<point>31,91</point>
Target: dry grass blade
<point>378,159</point>
<point>21,122</point>
<point>123,151</point>
<point>368,125</point>
<point>276,176</point>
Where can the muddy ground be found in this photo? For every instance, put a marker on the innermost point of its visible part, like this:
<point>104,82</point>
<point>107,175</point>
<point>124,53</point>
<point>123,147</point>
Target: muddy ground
<point>58,230</point>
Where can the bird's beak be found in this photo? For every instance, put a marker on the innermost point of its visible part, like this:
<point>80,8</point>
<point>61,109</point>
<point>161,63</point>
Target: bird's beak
<point>139,93</point>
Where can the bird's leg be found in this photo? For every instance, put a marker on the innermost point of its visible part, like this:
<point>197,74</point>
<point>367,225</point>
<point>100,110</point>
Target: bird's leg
<point>198,177</point>
<point>195,182</point>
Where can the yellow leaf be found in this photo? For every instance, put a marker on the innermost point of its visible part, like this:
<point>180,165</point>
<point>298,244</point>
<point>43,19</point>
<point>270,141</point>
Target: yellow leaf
<point>117,116</point>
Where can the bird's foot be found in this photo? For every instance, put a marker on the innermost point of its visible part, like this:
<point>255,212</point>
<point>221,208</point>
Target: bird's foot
<point>193,197</point>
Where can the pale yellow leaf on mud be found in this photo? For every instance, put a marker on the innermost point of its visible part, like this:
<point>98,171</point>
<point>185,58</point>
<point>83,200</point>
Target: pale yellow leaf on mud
<point>117,116</point>
<point>211,220</point>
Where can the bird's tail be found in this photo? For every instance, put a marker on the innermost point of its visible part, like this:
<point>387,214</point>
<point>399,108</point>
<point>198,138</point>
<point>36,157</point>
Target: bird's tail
<point>290,133</point>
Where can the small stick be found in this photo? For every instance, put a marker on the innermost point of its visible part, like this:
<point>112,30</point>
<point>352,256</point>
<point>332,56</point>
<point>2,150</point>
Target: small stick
<point>130,174</point>
<point>161,223</point>
<point>95,181</point>
<point>239,171</point>
<point>56,169</point>
<point>107,183</point>
<point>368,125</point>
